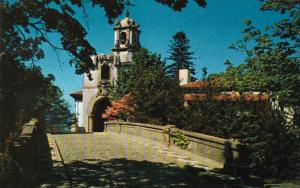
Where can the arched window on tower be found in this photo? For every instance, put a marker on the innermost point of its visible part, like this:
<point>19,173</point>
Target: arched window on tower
<point>123,37</point>
<point>105,72</point>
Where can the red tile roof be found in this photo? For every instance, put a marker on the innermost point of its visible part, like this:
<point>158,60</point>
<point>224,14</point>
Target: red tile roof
<point>232,96</point>
<point>222,96</point>
<point>199,84</point>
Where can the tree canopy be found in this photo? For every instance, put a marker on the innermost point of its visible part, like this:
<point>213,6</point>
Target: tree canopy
<point>26,93</point>
<point>272,63</point>
<point>271,130</point>
<point>25,25</point>
<point>156,98</point>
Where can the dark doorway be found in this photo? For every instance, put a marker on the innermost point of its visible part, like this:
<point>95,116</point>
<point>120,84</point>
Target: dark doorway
<point>105,72</point>
<point>99,108</point>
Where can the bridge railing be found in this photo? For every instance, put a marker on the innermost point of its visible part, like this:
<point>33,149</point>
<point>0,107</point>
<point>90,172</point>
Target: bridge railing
<point>23,150</point>
<point>31,156</point>
<point>215,150</point>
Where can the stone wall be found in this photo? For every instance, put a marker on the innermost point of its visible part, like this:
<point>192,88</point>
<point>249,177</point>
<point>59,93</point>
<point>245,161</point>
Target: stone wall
<point>31,153</point>
<point>24,144</point>
<point>217,151</point>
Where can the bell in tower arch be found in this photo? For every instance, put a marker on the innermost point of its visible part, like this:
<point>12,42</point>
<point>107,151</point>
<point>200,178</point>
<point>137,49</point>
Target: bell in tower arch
<point>123,38</point>
<point>126,34</point>
<point>126,40</point>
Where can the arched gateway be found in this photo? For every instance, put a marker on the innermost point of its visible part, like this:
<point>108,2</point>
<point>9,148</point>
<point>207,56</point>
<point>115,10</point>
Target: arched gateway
<point>97,124</point>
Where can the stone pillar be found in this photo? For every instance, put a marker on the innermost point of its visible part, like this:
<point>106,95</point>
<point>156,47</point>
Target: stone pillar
<point>167,133</point>
<point>90,123</point>
<point>184,76</point>
<point>74,126</point>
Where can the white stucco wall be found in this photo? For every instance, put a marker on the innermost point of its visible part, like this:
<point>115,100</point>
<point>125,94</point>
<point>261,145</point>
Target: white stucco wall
<point>184,76</point>
<point>124,57</point>
<point>79,115</point>
<point>92,83</point>
<point>89,98</point>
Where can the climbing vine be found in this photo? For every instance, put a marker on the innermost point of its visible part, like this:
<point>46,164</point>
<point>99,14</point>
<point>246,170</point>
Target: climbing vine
<point>179,139</point>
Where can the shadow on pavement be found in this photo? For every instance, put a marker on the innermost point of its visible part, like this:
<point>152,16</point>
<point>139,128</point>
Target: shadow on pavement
<point>130,173</point>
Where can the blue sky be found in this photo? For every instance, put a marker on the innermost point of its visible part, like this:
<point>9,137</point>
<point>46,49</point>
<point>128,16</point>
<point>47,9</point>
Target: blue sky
<point>209,29</point>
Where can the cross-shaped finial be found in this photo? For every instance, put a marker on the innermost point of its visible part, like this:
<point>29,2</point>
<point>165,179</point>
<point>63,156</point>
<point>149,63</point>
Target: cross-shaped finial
<point>127,4</point>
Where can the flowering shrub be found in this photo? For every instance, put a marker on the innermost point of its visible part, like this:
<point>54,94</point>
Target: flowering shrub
<point>119,109</point>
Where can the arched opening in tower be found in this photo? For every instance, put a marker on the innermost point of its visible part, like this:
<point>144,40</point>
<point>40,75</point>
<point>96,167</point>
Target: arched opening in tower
<point>123,37</point>
<point>98,109</point>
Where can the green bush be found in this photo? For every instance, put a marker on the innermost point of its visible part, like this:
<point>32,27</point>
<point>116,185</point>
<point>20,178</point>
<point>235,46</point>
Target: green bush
<point>273,145</point>
<point>179,139</point>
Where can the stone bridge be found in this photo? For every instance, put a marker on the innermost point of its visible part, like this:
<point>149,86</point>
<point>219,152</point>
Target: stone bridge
<point>137,155</point>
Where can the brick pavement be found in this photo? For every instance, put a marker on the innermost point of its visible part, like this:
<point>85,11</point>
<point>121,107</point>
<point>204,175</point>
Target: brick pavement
<point>120,160</point>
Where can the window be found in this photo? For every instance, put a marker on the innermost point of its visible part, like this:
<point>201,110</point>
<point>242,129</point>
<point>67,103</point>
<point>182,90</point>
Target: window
<point>105,72</point>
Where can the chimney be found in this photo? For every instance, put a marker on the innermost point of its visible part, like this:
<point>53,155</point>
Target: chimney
<point>184,76</point>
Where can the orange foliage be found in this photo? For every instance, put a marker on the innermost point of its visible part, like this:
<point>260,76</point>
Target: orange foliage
<point>118,108</point>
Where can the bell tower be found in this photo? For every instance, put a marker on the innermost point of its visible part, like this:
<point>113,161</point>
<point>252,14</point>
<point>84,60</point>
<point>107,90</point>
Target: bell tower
<point>127,39</point>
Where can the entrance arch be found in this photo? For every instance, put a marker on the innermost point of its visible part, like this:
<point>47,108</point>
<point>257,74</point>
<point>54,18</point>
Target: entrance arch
<point>97,111</point>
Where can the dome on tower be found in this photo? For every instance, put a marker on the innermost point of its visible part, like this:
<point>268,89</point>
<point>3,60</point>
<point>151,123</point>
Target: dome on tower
<point>126,22</point>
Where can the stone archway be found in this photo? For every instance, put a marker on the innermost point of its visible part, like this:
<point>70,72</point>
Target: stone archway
<point>98,109</point>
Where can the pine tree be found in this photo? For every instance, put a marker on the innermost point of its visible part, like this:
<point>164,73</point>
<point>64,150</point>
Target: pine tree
<point>181,55</point>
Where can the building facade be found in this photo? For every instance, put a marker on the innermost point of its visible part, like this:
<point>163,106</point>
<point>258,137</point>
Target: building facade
<point>94,98</point>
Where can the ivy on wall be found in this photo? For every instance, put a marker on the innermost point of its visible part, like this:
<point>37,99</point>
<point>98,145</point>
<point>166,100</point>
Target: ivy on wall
<point>179,139</point>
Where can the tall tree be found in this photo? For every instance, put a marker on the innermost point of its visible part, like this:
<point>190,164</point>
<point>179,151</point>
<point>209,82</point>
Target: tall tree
<point>26,93</point>
<point>56,117</point>
<point>181,55</point>
<point>272,66</point>
<point>272,62</point>
<point>156,98</point>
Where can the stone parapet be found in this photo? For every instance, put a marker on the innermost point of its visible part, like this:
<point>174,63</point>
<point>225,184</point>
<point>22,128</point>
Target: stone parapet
<point>215,150</point>
<point>150,131</point>
<point>31,153</point>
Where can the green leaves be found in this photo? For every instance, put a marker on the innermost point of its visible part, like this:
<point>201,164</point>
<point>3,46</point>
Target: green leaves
<point>179,139</point>
<point>177,5</point>
<point>156,98</point>
<point>25,93</point>
<point>272,66</point>
<point>272,62</point>
<point>281,6</point>
<point>247,22</point>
